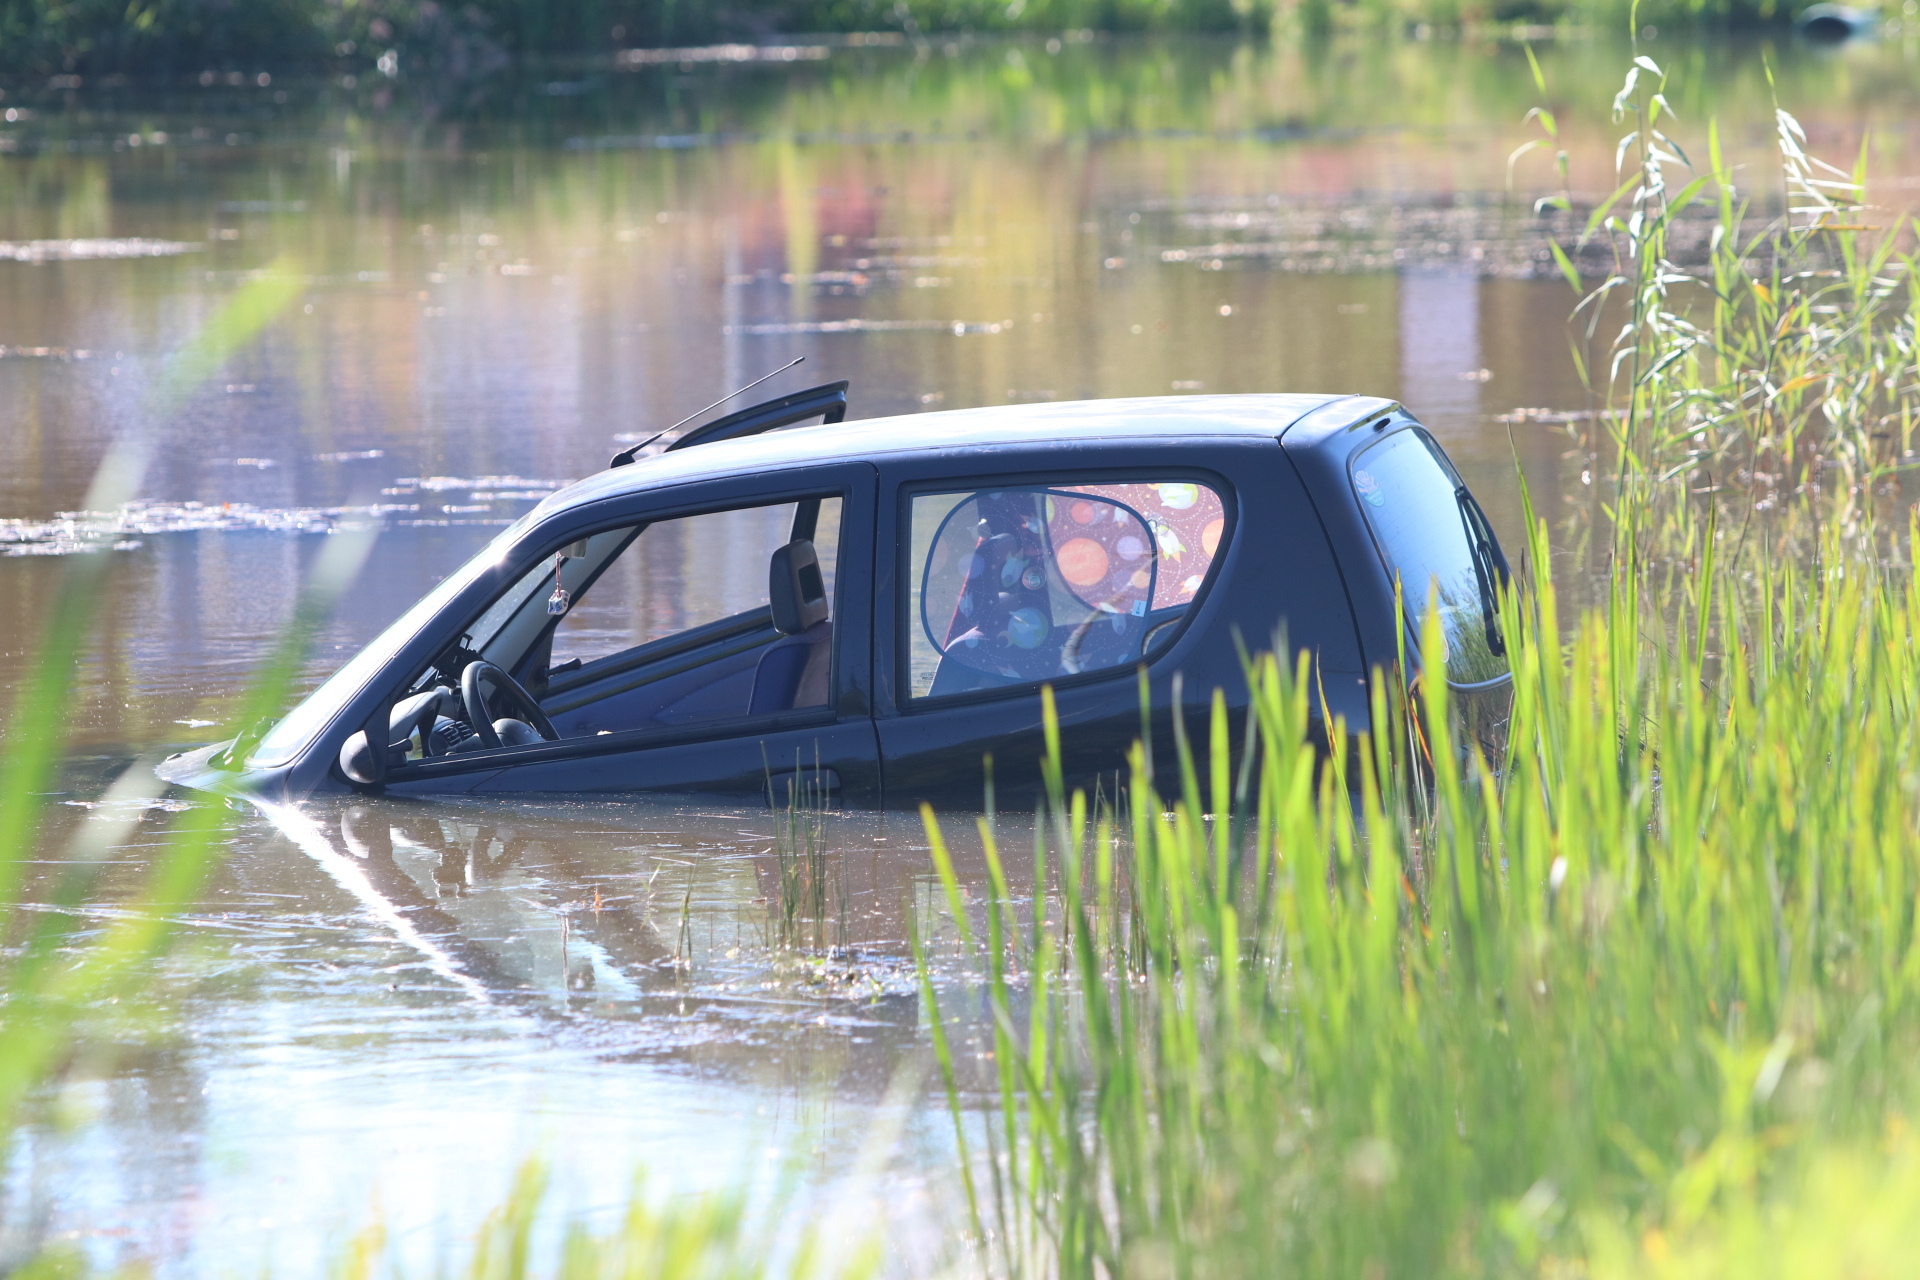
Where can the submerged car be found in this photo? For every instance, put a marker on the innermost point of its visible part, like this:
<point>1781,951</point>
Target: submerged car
<point>873,607</point>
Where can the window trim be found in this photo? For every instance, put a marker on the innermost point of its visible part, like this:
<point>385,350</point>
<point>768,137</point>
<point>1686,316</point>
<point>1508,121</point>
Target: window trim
<point>907,609</point>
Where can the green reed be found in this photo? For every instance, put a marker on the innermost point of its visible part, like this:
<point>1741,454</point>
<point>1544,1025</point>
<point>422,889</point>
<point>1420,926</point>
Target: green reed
<point>1655,962</point>
<point>1637,993</point>
<point>1783,365</point>
<point>52,970</point>
<point>811,889</point>
<point>719,1236</point>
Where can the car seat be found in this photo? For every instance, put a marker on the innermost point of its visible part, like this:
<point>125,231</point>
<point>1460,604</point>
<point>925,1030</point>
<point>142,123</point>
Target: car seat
<point>793,670</point>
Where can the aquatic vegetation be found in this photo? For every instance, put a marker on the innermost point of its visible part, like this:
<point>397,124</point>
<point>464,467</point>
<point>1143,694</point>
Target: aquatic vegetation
<point>812,892</point>
<point>1786,362</point>
<point>87,250</point>
<point>123,528</point>
<point>1418,1012</point>
<point>1634,995</point>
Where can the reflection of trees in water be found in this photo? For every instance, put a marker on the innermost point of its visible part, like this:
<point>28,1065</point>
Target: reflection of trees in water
<point>446,72</point>
<point>679,574</point>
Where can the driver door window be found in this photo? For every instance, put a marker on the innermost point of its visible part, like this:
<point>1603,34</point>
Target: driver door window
<point>686,573</point>
<point>709,617</point>
<point>683,624</point>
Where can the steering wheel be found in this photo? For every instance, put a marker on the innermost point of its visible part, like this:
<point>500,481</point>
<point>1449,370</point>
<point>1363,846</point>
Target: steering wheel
<point>481,717</point>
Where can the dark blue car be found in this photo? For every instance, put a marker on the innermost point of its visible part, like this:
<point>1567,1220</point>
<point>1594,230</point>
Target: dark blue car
<point>874,606</point>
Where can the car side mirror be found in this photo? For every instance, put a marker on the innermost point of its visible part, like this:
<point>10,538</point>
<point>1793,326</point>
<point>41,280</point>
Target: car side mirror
<point>360,763</point>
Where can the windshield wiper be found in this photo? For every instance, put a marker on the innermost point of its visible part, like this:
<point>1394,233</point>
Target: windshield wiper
<point>1487,564</point>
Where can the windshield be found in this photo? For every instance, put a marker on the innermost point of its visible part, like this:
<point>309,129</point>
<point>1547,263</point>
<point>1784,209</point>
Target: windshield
<point>288,738</point>
<point>1432,534</point>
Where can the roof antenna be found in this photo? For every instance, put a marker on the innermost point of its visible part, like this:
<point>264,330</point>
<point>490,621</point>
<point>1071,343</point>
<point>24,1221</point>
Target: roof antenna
<point>625,456</point>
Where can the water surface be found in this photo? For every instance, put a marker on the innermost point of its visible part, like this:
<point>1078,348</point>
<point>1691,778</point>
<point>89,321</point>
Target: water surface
<point>379,1008</point>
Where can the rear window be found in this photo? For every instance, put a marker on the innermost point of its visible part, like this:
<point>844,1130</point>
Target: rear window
<point>1431,534</point>
<point>1020,585</point>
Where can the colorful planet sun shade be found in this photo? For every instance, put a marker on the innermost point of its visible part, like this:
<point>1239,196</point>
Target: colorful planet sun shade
<point>1082,561</point>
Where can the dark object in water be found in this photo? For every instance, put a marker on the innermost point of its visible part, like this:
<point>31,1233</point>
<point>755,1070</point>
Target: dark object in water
<point>1833,23</point>
<point>728,426</point>
<point>871,608</point>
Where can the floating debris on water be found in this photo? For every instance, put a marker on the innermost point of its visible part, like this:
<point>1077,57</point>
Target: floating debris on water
<point>124,530</point>
<point>73,531</point>
<point>1554,415</point>
<point>29,540</point>
<point>46,353</point>
<point>955,327</point>
<point>652,142</point>
<point>114,809</point>
<point>491,488</point>
<point>1487,237</point>
<point>354,455</point>
<point>864,275</point>
<point>724,53</point>
<point>85,250</point>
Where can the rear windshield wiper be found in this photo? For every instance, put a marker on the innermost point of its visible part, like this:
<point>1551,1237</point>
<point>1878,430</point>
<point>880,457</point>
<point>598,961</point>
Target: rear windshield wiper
<point>1488,566</point>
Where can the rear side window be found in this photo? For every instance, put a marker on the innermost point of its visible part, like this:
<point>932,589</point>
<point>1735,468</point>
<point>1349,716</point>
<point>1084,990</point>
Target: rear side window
<point>1032,583</point>
<point>1431,532</point>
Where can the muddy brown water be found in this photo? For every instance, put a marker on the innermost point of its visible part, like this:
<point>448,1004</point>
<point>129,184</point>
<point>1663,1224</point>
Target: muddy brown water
<point>379,1008</point>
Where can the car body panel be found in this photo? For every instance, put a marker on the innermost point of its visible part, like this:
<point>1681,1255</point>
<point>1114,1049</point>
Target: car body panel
<point>932,748</point>
<point>1296,560</point>
<point>1321,446</point>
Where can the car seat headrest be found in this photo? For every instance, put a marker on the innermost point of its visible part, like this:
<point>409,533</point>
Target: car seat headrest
<point>795,589</point>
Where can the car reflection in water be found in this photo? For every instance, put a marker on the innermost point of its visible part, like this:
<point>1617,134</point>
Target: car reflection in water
<point>566,915</point>
<point>394,1002</point>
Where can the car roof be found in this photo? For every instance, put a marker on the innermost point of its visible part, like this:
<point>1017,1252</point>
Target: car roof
<point>960,430</point>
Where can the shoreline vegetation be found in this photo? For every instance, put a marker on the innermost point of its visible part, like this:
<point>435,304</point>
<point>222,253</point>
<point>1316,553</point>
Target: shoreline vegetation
<point>161,39</point>
<point>1633,993</point>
